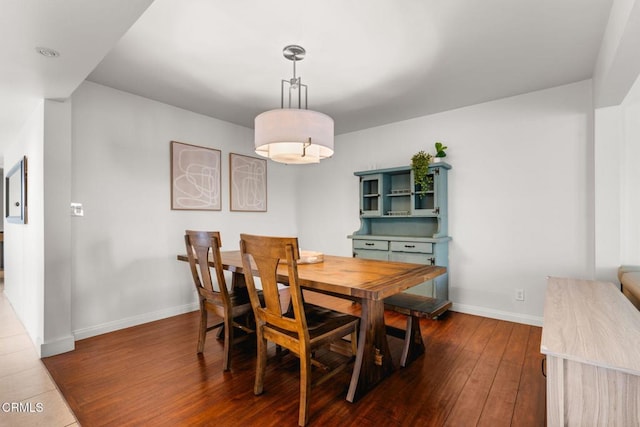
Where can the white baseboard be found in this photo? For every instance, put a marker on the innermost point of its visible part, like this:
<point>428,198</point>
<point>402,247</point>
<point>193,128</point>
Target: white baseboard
<point>57,347</point>
<point>498,314</point>
<point>68,344</point>
<point>133,321</point>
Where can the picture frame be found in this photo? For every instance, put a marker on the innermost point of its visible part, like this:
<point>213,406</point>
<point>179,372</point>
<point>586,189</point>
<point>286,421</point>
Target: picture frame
<point>16,193</point>
<point>248,183</point>
<point>195,177</point>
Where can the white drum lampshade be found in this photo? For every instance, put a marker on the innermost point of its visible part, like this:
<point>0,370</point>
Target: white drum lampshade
<point>294,136</point>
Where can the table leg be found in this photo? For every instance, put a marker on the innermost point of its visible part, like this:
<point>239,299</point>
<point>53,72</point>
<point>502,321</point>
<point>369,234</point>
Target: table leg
<point>237,280</point>
<point>413,344</point>
<point>373,359</point>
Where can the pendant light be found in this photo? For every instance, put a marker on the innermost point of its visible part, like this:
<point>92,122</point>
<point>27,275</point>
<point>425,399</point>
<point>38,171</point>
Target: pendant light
<point>294,135</point>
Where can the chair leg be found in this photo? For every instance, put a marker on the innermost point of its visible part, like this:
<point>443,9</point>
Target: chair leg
<point>354,341</point>
<point>305,387</point>
<point>261,363</point>
<point>228,341</point>
<point>202,334</point>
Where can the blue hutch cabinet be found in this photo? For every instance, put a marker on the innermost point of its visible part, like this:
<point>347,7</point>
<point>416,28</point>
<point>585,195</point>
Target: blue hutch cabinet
<point>401,222</point>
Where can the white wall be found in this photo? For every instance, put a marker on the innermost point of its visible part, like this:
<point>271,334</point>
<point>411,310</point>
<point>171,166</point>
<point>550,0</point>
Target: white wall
<point>37,254</point>
<point>609,153</point>
<point>617,146</point>
<point>23,243</point>
<point>629,112</point>
<point>124,248</point>
<point>56,173</point>
<point>520,194</point>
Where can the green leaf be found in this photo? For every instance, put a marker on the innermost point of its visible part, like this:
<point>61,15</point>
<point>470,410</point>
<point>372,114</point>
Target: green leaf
<point>440,149</point>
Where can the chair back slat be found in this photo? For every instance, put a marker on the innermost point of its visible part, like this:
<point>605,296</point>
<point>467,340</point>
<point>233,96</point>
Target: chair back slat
<point>267,268</point>
<point>262,255</point>
<point>203,247</point>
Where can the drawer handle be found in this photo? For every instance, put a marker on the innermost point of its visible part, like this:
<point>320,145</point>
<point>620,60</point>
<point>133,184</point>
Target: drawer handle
<point>370,244</point>
<point>410,246</point>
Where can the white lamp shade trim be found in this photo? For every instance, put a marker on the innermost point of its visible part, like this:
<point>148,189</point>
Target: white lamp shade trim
<point>282,134</point>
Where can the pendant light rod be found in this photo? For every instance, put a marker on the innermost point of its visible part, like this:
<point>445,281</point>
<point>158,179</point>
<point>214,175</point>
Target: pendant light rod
<point>294,53</point>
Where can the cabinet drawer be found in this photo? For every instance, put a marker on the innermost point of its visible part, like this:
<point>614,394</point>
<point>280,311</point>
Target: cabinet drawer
<point>422,247</point>
<point>379,245</point>
<point>412,257</point>
<point>367,254</point>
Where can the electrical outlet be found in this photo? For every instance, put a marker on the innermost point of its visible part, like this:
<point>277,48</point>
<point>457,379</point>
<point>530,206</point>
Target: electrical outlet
<point>519,294</point>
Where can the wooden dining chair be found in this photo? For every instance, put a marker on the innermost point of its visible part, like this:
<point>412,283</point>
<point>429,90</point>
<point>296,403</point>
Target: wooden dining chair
<point>302,329</point>
<point>233,306</point>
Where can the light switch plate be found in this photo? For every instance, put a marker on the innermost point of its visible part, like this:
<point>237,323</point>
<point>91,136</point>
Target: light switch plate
<point>76,209</point>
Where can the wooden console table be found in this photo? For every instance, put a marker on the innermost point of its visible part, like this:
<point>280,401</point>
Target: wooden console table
<point>591,337</point>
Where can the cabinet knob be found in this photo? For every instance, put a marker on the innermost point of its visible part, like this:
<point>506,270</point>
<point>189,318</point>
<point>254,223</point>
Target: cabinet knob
<point>409,246</point>
<point>369,244</point>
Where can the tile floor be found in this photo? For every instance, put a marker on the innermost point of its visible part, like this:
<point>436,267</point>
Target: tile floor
<point>28,396</point>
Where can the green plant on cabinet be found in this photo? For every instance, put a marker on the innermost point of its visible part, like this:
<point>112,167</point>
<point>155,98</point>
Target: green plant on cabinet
<point>440,150</point>
<point>420,169</point>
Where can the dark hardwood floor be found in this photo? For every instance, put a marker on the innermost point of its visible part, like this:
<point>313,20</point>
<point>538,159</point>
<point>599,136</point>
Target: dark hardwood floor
<point>476,371</point>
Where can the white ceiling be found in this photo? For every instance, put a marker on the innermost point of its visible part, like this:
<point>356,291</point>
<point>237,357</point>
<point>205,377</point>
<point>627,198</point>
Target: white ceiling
<point>369,62</point>
<point>83,31</point>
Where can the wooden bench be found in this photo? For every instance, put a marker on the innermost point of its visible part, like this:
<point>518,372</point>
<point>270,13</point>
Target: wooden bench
<point>414,307</point>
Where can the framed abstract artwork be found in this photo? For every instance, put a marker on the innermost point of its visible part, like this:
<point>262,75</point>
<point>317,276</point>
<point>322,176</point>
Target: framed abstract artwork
<point>248,182</point>
<point>195,177</point>
<point>16,193</point>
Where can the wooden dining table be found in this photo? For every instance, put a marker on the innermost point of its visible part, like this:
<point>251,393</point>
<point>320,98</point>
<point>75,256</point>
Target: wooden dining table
<point>365,281</point>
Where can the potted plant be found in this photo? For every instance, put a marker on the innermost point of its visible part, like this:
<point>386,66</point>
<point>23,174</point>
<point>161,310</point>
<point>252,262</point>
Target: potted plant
<point>440,152</point>
<point>420,167</point>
